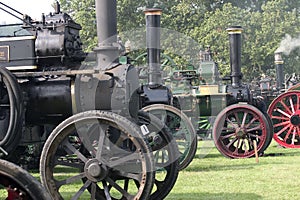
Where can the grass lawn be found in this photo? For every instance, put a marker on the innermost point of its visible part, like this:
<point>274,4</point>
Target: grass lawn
<point>212,176</point>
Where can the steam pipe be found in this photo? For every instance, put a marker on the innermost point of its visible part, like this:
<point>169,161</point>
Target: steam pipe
<point>153,46</point>
<point>106,17</point>
<point>235,55</point>
<point>279,70</point>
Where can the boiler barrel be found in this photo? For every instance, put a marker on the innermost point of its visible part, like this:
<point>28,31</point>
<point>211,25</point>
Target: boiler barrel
<point>48,101</point>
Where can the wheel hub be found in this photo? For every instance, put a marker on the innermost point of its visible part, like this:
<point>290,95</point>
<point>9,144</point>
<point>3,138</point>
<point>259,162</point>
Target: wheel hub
<point>240,133</point>
<point>95,170</point>
<point>295,120</point>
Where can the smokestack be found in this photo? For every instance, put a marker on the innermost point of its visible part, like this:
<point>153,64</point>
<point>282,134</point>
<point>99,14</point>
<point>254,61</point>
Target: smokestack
<point>279,70</point>
<point>153,46</point>
<point>235,33</point>
<point>106,16</point>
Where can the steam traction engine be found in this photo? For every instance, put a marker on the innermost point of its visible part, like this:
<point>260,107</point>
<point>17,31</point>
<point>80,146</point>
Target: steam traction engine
<point>81,111</point>
<point>284,110</point>
<point>243,127</point>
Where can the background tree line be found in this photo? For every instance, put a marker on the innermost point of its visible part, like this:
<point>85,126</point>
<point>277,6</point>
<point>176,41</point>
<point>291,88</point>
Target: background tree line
<point>266,24</point>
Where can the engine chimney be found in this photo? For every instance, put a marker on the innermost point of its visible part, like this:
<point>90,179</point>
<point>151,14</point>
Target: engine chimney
<point>235,55</point>
<point>153,46</point>
<point>279,70</point>
<point>106,16</point>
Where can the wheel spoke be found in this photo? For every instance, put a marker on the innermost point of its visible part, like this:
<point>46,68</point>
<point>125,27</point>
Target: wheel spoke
<point>282,130</point>
<point>282,124</point>
<point>292,105</point>
<point>258,127</point>
<point>93,191</point>
<point>68,163</point>
<point>285,107</point>
<point>134,176</point>
<point>231,142</point>
<point>244,119</point>
<point>231,123</point>
<point>288,133</point>
<point>237,119</point>
<point>119,188</point>
<point>72,150</point>
<point>70,180</point>
<point>227,136</point>
<point>251,122</point>
<point>124,159</point>
<point>81,190</point>
<point>279,117</point>
<point>238,145</point>
<point>282,112</point>
<point>100,142</point>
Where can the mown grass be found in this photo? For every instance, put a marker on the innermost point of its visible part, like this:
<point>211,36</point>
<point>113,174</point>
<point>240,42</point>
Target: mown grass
<point>212,176</point>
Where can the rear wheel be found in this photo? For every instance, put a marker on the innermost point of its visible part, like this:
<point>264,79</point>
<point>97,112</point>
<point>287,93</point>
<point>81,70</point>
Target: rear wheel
<point>181,128</point>
<point>165,152</point>
<point>238,127</point>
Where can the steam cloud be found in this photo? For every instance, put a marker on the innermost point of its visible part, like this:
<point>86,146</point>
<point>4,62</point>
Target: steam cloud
<point>288,44</point>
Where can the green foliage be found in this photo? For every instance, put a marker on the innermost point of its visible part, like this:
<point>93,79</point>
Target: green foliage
<point>266,23</point>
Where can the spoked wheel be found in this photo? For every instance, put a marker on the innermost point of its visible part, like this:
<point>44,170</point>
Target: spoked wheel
<point>181,128</point>
<point>97,155</point>
<point>285,114</point>
<point>19,184</point>
<point>238,127</point>
<point>166,155</point>
<point>11,111</point>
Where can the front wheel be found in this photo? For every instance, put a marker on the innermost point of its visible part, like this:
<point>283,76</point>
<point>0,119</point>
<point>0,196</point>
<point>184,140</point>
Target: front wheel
<point>19,184</point>
<point>99,155</point>
<point>285,114</point>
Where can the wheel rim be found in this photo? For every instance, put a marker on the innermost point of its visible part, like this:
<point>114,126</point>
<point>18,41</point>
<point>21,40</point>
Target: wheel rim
<point>236,130</point>
<point>105,160</point>
<point>285,114</point>
<point>181,129</point>
<point>165,153</point>
<point>14,190</point>
<point>19,184</point>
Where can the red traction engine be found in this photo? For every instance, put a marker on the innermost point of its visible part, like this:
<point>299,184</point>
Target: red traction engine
<point>243,128</point>
<point>284,111</point>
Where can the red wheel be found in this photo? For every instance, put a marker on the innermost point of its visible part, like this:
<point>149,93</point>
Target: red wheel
<point>285,114</point>
<point>238,127</point>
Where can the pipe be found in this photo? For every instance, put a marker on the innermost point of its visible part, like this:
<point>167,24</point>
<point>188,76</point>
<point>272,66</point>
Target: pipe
<point>106,17</point>
<point>279,70</point>
<point>235,55</point>
<point>153,46</point>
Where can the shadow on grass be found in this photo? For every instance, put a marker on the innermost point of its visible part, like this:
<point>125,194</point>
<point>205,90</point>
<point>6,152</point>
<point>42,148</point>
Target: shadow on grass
<point>219,167</point>
<point>211,196</point>
<point>193,196</point>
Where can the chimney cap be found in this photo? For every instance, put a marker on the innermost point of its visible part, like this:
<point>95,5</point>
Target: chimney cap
<point>153,11</point>
<point>235,30</point>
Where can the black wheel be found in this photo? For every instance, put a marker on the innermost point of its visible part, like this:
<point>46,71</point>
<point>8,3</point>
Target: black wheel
<point>19,184</point>
<point>11,112</point>
<point>238,127</point>
<point>166,155</point>
<point>181,128</point>
<point>103,156</point>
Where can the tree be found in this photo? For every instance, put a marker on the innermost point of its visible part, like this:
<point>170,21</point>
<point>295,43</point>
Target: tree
<point>265,23</point>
